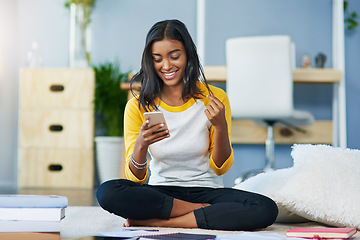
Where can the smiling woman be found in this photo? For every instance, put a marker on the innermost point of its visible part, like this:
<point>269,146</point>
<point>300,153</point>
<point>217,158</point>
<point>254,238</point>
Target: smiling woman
<point>170,62</point>
<point>185,187</point>
<point>178,43</point>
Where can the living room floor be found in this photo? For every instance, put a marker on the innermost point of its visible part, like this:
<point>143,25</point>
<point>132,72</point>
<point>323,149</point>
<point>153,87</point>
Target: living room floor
<point>78,222</point>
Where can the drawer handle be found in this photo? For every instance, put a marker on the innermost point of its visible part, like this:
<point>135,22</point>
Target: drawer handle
<point>57,88</point>
<point>55,167</point>
<point>56,128</point>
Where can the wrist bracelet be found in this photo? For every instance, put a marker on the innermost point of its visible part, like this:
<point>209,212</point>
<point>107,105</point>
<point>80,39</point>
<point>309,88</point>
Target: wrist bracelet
<point>138,165</point>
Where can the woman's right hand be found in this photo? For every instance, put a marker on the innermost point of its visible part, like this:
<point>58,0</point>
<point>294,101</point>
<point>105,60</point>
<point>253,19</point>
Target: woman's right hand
<point>149,135</point>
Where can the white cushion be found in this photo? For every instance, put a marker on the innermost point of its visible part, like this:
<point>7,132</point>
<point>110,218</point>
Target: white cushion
<point>323,186</point>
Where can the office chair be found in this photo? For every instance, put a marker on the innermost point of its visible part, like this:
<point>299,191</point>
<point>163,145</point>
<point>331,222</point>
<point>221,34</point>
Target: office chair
<point>260,87</point>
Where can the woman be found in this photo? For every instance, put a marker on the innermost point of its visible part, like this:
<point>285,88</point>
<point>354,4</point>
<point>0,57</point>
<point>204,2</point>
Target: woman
<point>185,186</point>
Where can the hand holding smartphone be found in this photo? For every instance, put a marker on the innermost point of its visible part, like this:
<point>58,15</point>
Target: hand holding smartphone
<point>156,118</point>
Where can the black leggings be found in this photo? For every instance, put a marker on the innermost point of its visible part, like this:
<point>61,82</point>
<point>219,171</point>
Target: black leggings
<point>230,209</point>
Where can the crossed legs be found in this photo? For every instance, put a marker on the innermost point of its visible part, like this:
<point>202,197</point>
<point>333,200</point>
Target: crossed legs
<point>186,207</point>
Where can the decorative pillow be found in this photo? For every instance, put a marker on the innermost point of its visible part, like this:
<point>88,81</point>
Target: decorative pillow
<point>323,185</point>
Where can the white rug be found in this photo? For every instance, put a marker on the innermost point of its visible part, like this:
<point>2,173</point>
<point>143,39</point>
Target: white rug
<point>87,221</point>
<point>82,222</point>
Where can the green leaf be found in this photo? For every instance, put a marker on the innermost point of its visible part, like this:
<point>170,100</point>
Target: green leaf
<point>352,25</point>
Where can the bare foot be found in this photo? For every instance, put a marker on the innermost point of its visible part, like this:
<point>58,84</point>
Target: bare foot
<point>185,221</point>
<point>126,223</point>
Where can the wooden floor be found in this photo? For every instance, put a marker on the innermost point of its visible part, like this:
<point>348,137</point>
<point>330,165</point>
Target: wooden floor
<point>76,197</point>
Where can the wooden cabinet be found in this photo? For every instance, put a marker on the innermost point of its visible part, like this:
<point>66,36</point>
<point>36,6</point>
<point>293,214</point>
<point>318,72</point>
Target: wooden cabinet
<point>56,128</point>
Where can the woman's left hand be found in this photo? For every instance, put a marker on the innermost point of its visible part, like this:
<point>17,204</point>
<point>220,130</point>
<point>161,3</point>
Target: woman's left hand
<point>215,112</point>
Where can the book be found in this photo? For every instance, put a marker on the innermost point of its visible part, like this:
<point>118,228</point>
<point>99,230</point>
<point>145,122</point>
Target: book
<point>32,201</point>
<point>30,235</point>
<point>30,226</point>
<point>321,232</point>
<point>32,214</point>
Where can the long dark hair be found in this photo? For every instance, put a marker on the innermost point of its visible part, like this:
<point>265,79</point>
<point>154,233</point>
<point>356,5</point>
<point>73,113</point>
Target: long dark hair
<point>151,83</point>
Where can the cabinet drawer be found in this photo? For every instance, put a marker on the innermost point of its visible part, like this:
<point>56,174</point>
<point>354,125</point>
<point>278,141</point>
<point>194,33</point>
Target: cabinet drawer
<point>55,168</point>
<point>57,88</point>
<point>56,128</point>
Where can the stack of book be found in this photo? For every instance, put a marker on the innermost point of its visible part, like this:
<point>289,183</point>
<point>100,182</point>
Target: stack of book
<point>31,216</point>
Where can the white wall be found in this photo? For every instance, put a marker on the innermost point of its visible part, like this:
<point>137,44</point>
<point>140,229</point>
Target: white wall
<point>21,22</point>
<point>8,89</point>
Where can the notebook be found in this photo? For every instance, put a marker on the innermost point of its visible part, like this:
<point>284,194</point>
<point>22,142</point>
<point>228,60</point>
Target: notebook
<point>322,232</point>
<point>32,201</point>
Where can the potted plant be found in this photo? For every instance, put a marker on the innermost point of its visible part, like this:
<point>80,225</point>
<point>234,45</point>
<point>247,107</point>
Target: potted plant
<point>109,105</point>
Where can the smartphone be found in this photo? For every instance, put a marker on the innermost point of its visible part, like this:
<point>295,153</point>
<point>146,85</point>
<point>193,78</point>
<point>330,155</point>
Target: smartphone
<point>156,118</point>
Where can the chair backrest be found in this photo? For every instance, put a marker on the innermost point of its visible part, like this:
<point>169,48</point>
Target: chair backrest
<point>259,77</point>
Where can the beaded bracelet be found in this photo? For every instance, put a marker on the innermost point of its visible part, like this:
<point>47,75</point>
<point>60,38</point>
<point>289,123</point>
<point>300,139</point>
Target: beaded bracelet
<point>138,165</point>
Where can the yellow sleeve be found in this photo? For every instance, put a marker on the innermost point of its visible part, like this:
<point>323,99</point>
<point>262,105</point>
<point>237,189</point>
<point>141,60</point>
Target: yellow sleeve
<point>133,119</point>
<point>221,95</point>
